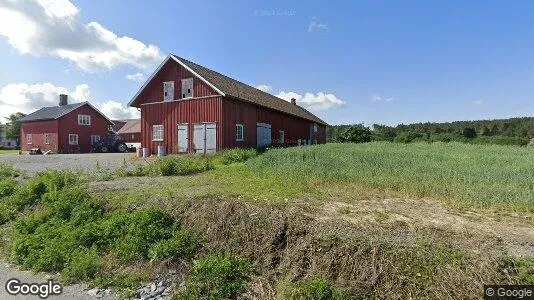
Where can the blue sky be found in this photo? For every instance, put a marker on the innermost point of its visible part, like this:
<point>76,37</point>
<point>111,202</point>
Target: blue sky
<point>385,62</point>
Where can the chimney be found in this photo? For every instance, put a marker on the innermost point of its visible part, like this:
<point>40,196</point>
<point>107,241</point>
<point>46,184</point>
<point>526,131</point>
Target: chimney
<point>293,101</point>
<point>63,100</point>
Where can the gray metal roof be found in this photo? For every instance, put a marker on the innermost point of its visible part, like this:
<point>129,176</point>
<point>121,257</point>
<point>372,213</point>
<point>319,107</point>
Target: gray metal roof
<point>52,112</point>
<point>55,112</point>
<point>245,92</point>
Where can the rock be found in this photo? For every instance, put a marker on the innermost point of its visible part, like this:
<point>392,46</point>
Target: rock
<point>153,287</point>
<point>172,271</point>
<point>159,291</point>
<point>167,291</point>
<point>93,292</point>
<point>160,283</point>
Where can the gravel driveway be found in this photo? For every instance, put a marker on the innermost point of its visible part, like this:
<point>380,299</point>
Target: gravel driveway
<point>36,163</point>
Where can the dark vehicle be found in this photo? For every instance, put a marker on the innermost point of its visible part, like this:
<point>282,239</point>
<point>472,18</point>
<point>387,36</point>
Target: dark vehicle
<point>111,143</point>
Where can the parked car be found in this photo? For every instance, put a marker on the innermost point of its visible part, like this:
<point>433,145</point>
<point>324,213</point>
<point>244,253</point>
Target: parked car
<point>111,143</point>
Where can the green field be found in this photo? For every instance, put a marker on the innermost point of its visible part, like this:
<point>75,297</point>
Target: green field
<point>335,221</point>
<point>459,173</point>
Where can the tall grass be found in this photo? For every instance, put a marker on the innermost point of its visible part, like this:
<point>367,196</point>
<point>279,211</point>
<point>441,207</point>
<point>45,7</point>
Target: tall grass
<point>467,174</point>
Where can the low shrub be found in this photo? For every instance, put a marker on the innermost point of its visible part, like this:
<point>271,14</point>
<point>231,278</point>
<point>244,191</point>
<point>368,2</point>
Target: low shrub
<point>182,245</point>
<point>216,276</point>
<point>181,165</point>
<point>7,187</point>
<point>83,265</point>
<point>8,171</point>
<point>134,233</point>
<point>237,155</point>
<point>313,289</point>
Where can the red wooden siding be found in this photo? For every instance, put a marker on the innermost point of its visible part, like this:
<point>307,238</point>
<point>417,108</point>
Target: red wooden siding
<point>172,71</point>
<point>131,137</point>
<point>60,129</point>
<point>38,130</point>
<point>170,114</point>
<point>239,112</point>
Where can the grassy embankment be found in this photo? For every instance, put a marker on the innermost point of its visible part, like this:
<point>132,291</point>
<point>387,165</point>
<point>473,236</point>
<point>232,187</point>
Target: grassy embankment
<point>257,228</point>
<point>8,152</point>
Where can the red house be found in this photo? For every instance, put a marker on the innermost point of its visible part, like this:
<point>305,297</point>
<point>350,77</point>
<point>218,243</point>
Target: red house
<point>130,132</point>
<point>66,128</point>
<point>186,107</point>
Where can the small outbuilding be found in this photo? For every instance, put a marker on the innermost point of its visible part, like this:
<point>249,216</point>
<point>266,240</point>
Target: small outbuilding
<point>130,133</point>
<point>66,128</point>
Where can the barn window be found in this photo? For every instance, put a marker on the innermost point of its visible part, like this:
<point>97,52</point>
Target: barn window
<point>239,132</point>
<point>94,139</point>
<point>157,132</point>
<point>281,137</point>
<point>47,138</point>
<point>314,127</point>
<point>73,139</point>
<point>168,91</point>
<point>29,138</point>
<point>84,120</point>
<point>187,88</point>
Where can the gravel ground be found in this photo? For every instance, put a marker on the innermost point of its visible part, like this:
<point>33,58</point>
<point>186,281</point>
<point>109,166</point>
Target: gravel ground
<point>76,291</point>
<point>36,163</point>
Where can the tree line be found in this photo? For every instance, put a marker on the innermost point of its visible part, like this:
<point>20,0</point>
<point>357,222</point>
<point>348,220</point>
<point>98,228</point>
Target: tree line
<point>514,131</point>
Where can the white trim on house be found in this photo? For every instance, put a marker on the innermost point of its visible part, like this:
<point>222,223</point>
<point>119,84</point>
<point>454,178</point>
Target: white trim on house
<point>160,130</point>
<point>169,57</point>
<point>237,138</point>
<point>84,120</point>
<point>74,142</point>
<point>186,99</point>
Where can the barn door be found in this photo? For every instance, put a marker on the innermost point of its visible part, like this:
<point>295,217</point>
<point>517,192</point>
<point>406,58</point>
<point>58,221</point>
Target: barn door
<point>205,138</point>
<point>263,135</point>
<point>183,138</point>
<point>211,137</point>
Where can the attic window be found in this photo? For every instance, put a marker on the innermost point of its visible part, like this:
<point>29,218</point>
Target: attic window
<point>187,88</point>
<point>314,127</point>
<point>29,138</point>
<point>84,120</point>
<point>168,91</point>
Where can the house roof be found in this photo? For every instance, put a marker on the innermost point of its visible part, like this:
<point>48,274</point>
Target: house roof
<point>230,87</point>
<point>56,112</point>
<point>131,126</point>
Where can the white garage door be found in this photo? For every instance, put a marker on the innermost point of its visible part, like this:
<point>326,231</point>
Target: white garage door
<point>205,137</point>
<point>263,135</point>
<point>183,138</point>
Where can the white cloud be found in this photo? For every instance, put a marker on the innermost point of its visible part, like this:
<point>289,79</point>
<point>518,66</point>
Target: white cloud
<point>315,25</point>
<point>265,88</point>
<point>478,102</point>
<point>116,110</point>
<point>383,99</point>
<point>137,77</point>
<point>316,102</point>
<point>27,98</point>
<point>55,28</point>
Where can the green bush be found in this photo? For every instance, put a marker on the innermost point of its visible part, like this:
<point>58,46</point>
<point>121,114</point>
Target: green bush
<point>83,265</point>
<point>236,155</point>
<point>181,165</point>
<point>216,276</point>
<point>314,289</point>
<point>137,232</point>
<point>7,187</point>
<point>182,245</point>
<point>7,171</point>
<point>62,202</point>
<point>7,211</point>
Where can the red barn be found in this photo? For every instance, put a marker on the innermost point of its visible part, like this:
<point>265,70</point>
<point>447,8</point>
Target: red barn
<point>130,132</point>
<point>186,108</point>
<point>66,128</point>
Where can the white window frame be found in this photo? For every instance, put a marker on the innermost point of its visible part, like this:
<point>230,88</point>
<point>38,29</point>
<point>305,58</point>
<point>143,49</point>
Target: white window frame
<point>237,128</point>
<point>314,127</point>
<point>281,137</point>
<point>157,132</point>
<point>71,140</point>
<point>29,138</point>
<point>47,138</point>
<point>168,97</point>
<point>192,88</point>
<point>94,138</point>
<point>84,120</point>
